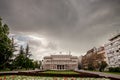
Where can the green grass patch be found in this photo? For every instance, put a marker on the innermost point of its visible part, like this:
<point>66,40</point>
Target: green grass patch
<point>107,72</point>
<point>60,72</point>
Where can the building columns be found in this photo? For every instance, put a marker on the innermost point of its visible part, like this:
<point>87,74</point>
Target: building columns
<point>60,67</point>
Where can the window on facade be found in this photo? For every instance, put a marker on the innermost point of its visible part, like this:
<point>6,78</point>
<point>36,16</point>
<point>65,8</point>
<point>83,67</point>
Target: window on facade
<point>119,60</point>
<point>111,44</point>
<point>112,51</point>
<point>117,50</point>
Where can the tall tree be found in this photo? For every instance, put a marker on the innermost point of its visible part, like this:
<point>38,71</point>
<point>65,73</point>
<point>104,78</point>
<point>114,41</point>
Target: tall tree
<point>13,44</point>
<point>103,65</point>
<point>37,64</point>
<point>21,50</point>
<point>20,59</point>
<point>27,51</point>
<point>6,48</point>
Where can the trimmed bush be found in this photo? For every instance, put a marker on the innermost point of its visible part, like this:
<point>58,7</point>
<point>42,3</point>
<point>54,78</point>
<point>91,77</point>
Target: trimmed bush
<point>114,69</point>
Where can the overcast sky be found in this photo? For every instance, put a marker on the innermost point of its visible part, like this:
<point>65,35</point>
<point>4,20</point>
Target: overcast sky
<point>50,26</point>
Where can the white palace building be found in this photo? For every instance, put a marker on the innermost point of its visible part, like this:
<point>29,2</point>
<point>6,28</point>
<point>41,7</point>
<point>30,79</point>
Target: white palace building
<point>60,62</point>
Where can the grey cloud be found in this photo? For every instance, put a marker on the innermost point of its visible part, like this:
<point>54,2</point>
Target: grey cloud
<point>52,46</point>
<point>38,47</point>
<point>77,25</point>
<point>41,14</point>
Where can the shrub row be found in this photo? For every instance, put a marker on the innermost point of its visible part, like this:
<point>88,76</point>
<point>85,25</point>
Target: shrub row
<point>115,69</point>
<point>52,75</point>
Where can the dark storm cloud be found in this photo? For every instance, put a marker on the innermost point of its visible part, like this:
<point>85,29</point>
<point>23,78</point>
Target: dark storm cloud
<point>77,25</point>
<point>42,14</point>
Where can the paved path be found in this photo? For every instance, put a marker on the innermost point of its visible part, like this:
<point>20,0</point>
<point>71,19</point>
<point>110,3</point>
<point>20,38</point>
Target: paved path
<point>101,74</point>
<point>8,72</point>
<point>15,72</point>
<point>29,71</point>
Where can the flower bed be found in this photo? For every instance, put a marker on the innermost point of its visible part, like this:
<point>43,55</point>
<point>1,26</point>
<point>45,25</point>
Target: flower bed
<point>15,77</point>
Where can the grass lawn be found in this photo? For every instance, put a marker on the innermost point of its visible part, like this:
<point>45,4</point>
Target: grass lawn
<point>108,72</point>
<point>60,72</point>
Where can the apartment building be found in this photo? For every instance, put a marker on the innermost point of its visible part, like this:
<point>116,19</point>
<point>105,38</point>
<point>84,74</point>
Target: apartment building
<point>112,49</point>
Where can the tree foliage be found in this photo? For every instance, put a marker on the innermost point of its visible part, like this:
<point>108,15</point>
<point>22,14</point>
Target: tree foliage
<point>37,64</point>
<point>27,51</point>
<point>6,47</point>
<point>103,65</point>
<point>8,60</point>
<point>114,69</point>
<point>22,61</point>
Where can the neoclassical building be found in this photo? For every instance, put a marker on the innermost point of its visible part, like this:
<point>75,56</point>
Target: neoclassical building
<point>60,62</point>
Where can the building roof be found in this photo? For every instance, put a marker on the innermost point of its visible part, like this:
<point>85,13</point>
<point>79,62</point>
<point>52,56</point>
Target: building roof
<point>60,56</point>
<point>113,38</point>
<point>47,57</point>
<point>91,50</point>
<point>100,49</point>
<point>74,57</point>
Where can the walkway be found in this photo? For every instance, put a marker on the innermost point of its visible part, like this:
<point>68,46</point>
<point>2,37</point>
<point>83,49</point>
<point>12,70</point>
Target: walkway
<point>101,74</point>
<point>16,72</point>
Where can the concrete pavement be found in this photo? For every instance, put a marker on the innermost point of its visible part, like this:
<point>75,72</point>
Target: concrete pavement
<point>101,74</point>
<point>8,72</point>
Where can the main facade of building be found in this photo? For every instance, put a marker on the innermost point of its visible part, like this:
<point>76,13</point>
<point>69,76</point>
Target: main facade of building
<point>60,62</point>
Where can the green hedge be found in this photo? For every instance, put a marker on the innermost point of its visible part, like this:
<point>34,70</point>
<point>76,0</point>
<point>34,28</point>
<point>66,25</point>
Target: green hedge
<point>115,69</point>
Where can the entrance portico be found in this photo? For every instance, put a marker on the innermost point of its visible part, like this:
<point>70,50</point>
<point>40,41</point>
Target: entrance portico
<point>60,67</point>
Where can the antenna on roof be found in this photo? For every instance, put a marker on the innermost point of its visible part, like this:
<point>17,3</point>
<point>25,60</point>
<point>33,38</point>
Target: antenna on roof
<point>69,52</point>
<point>117,32</point>
<point>60,52</point>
